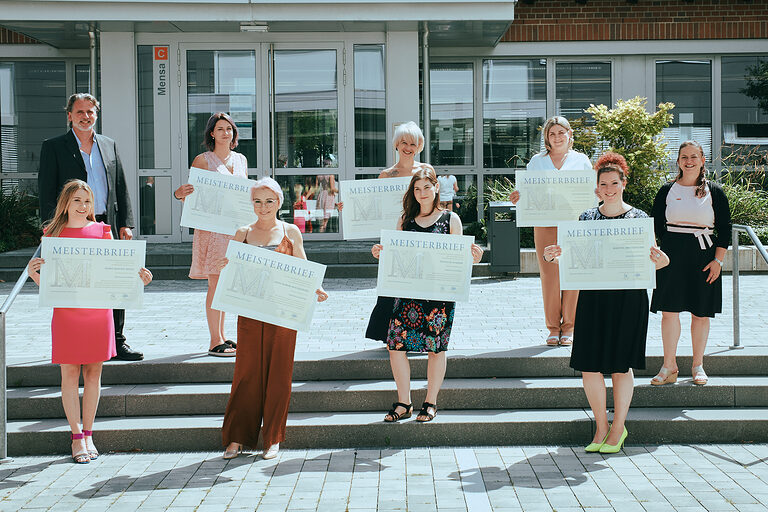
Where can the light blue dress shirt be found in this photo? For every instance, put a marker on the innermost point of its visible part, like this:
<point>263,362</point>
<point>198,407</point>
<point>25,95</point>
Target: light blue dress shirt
<point>97,175</point>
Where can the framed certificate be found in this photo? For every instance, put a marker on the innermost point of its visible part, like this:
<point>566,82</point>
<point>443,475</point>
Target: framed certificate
<point>371,205</point>
<point>606,254</point>
<point>268,286</point>
<point>427,266</point>
<point>220,203</point>
<point>91,273</point>
<point>549,197</point>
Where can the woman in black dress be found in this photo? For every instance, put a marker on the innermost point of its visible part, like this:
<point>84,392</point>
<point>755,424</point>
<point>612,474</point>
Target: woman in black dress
<point>417,325</point>
<point>693,226</point>
<point>611,325</point>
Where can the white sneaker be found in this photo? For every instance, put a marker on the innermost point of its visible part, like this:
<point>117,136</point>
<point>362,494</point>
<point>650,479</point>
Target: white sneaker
<point>271,452</point>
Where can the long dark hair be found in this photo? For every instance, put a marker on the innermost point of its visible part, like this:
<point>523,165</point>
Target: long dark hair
<point>208,141</point>
<point>701,181</point>
<point>411,207</point>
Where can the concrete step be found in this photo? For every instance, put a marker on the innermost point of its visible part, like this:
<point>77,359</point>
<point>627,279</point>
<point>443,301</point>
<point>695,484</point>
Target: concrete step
<point>535,361</point>
<point>366,429</point>
<point>377,395</point>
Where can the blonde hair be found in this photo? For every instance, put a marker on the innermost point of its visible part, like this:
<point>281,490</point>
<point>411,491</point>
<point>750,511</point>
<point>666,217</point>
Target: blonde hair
<point>555,121</point>
<point>61,216</point>
<point>411,132</point>
<point>267,182</point>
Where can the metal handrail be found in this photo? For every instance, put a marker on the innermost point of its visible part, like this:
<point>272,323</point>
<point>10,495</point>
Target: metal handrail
<point>736,228</point>
<point>7,303</point>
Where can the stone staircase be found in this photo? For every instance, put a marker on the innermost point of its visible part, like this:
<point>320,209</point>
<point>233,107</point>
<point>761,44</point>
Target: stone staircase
<point>522,396</point>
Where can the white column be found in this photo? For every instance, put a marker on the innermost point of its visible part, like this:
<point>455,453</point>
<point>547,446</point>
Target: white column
<point>118,103</point>
<point>402,82</point>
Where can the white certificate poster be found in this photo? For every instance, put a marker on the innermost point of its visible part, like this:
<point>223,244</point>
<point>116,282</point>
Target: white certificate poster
<point>606,254</point>
<point>91,273</point>
<point>427,266</point>
<point>371,205</point>
<point>220,203</point>
<point>548,197</point>
<point>268,286</point>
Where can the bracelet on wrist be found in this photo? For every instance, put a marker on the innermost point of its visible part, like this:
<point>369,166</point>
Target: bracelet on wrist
<point>720,262</point>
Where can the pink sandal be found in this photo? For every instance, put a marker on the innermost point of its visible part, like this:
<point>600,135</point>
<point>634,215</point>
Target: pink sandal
<point>80,457</point>
<point>93,454</point>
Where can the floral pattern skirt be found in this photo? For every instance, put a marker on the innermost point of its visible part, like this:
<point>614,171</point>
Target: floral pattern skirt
<point>420,325</point>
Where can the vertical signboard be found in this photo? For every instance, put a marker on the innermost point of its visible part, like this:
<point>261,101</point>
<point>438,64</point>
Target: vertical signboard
<point>162,107</point>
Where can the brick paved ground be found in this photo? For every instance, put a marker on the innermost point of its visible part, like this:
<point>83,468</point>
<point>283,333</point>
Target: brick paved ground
<point>653,478</point>
<point>502,314</point>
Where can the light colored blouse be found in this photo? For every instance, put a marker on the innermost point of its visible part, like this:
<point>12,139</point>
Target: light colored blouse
<point>573,162</point>
<point>685,209</point>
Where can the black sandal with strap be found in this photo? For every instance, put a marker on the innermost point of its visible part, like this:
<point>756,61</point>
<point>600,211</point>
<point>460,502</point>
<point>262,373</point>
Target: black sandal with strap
<point>425,407</point>
<point>397,417</point>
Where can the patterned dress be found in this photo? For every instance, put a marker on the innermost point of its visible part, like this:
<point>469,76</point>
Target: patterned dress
<point>422,325</point>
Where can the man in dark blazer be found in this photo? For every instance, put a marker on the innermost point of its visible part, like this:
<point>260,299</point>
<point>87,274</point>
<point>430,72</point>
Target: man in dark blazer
<point>83,154</point>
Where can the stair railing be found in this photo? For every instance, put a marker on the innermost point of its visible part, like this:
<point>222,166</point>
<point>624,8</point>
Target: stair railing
<point>3,377</point>
<point>735,271</point>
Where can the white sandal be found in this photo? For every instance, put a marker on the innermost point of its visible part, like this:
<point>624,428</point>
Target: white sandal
<point>699,376</point>
<point>665,376</point>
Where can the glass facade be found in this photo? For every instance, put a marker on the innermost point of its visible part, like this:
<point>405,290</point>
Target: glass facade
<point>310,202</point>
<point>221,81</point>
<point>306,109</point>
<point>452,108</point>
<point>744,114</point>
<point>370,107</point>
<point>687,84</point>
<point>579,84</point>
<point>514,107</point>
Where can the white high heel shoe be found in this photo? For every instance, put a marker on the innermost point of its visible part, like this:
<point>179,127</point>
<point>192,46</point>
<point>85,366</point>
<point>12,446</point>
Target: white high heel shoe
<point>272,451</point>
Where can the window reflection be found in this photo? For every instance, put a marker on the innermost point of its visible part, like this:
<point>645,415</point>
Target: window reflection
<point>306,108</point>
<point>154,205</point>
<point>514,107</point>
<point>687,84</point>
<point>452,114</point>
<point>578,84</point>
<point>310,202</point>
<point>222,81</point>
<point>744,112</point>
<point>370,107</point>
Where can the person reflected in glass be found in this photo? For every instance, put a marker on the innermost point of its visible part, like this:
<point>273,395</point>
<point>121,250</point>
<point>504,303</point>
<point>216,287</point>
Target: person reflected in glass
<point>325,186</point>
<point>693,225</point>
<point>559,305</point>
<point>261,386</point>
<point>220,138</point>
<point>448,188</point>
<point>417,325</point>
<point>611,326</point>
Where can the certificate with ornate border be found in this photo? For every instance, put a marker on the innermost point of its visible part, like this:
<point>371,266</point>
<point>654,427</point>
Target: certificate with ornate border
<point>428,266</point>
<point>548,197</point>
<point>91,273</point>
<point>219,203</point>
<point>269,286</point>
<point>371,205</point>
<point>606,254</point>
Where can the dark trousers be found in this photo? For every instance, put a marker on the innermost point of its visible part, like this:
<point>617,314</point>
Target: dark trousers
<point>117,314</point>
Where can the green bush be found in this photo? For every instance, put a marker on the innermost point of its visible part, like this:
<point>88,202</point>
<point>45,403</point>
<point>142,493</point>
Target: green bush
<point>747,201</point>
<point>20,221</point>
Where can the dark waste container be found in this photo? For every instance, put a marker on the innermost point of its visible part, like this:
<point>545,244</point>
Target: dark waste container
<point>503,237</point>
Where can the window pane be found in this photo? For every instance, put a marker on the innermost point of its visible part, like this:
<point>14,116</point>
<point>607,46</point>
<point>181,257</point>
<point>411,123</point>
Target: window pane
<point>82,78</point>
<point>222,81</point>
<point>370,107</point>
<point>452,133</point>
<point>310,202</point>
<point>306,108</point>
<point>146,111</point>
<point>32,102</point>
<point>154,205</point>
<point>578,84</point>
<point>514,107</point>
<point>687,84</point>
<point>744,111</point>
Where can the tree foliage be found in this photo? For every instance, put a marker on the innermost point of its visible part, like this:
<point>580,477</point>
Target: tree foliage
<point>757,84</point>
<point>21,224</point>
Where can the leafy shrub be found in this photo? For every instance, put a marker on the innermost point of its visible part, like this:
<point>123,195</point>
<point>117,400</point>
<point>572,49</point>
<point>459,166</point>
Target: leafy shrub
<point>19,220</point>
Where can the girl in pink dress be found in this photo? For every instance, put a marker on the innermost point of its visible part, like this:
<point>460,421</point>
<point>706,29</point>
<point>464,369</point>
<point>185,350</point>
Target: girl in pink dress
<point>81,337</point>
<point>208,247</point>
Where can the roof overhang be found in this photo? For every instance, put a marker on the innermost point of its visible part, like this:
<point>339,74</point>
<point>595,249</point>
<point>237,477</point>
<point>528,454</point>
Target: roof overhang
<point>64,23</point>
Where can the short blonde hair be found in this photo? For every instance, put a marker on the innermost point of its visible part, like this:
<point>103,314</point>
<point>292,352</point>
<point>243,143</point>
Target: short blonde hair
<point>409,131</point>
<point>272,185</point>
<point>552,121</point>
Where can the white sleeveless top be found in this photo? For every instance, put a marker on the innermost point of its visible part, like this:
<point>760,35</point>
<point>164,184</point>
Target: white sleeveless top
<point>685,209</point>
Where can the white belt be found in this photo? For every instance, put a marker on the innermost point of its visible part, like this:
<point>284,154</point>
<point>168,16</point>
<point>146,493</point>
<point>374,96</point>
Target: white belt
<point>701,233</point>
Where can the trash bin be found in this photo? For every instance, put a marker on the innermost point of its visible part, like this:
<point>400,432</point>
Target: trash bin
<point>503,237</point>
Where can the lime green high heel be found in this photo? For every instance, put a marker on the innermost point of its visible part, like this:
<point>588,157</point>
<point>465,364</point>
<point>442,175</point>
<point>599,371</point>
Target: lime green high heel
<point>615,448</point>
<point>595,447</point>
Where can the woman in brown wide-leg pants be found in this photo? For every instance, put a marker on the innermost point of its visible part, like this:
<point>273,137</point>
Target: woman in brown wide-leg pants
<point>264,362</point>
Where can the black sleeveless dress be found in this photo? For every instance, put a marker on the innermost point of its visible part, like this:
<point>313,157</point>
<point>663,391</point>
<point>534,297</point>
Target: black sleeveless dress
<point>422,325</point>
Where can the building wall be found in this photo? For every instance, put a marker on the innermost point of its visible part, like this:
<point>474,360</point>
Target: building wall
<point>620,20</point>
